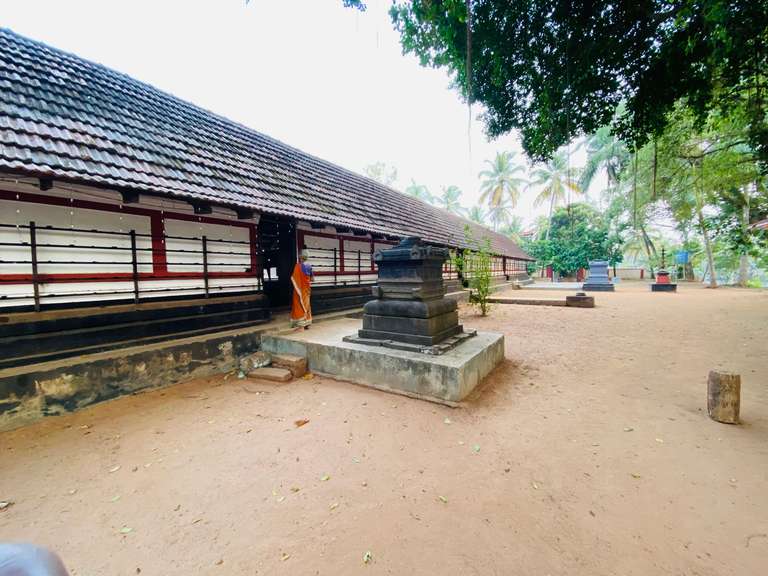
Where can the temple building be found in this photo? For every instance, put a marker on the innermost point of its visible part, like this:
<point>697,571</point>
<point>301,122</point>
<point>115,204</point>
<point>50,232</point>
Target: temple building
<point>143,214</point>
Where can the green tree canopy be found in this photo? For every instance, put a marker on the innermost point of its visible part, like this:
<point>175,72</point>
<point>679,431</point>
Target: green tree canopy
<point>578,234</point>
<point>555,69</point>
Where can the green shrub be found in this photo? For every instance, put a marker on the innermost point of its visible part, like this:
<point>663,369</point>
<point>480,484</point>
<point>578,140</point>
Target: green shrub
<point>476,264</point>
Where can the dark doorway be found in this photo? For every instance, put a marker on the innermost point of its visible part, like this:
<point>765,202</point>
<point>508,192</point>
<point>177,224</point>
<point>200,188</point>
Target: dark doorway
<point>277,246</point>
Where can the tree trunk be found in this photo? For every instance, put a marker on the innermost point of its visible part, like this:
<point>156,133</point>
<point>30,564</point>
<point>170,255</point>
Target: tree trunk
<point>724,396</point>
<point>551,207</point>
<point>650,250</point>
<point>708,246</point>
<point>744,258</point>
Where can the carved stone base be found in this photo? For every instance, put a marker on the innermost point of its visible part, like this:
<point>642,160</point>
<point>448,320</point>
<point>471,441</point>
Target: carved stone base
<point>435,349</point>
<point>416,326</point>
<point>419,339</point>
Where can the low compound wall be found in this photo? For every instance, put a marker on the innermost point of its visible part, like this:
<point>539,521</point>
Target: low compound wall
<point>51,388</point>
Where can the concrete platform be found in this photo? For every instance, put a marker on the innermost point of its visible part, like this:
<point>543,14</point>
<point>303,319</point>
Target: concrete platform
<point>570,301</point>
<point>552,286</point>
<point>527,301</point>
<point>448,378</point>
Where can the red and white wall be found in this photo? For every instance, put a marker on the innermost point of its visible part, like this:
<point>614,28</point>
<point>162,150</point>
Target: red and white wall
<point>337,258</point>
<point>84,250</point>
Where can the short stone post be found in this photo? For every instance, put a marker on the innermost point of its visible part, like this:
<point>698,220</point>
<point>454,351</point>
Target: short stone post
<point>724,396</point>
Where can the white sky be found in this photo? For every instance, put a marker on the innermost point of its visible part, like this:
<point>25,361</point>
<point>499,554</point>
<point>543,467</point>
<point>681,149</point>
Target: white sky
<point>326,79</point>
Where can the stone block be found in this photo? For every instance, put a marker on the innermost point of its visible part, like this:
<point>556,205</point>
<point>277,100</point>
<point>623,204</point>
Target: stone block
<point>271,374</point>
<point>410,308</point>
<point>580,301</point>
<point>405,325</point>
<point>296,364</point>
<point>411,338</point>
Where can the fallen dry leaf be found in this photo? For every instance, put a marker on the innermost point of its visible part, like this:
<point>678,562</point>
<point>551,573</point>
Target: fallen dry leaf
<point>300,423</point>
<point>6,504</point>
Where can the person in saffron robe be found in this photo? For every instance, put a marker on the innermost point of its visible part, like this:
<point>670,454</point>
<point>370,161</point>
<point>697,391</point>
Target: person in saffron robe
<point>301,313</point>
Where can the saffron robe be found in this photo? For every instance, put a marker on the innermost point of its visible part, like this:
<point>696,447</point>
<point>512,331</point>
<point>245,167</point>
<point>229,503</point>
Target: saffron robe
<point>301,313</point>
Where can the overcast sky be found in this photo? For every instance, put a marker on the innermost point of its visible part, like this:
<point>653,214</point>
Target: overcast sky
<point>326,79</point>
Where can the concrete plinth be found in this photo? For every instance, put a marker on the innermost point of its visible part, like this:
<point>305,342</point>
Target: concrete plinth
<point>447,378</point>
<point>663,287</point>
<point>598,280</point>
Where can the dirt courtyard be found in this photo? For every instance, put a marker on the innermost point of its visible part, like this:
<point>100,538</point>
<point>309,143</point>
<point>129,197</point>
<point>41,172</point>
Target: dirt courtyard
<point>589,451</point>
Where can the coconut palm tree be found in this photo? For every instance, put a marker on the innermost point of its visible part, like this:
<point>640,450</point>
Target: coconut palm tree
<point>513,228</point>
<point>500,214</point>
<point>449,199</point>
<point>500,186</point>
<point>477,214</point>
<point>556,179</point>
<point>604,152</point>
<point>419,191</point>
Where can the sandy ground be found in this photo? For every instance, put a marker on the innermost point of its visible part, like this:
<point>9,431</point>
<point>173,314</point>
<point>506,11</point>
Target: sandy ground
<point>588,452</point>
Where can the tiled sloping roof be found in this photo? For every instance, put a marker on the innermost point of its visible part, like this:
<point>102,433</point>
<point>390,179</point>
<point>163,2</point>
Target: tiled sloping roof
<point>68,118</point>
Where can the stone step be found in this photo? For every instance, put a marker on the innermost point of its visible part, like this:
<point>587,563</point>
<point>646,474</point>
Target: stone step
<point>271,374</point>
<point>296,364</point>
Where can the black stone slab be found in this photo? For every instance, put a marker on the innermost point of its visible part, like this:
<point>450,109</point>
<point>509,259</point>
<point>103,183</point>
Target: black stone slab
<point>410,308</point>
<point>406,325</point>
<point>663,287</point>
<point>411,338</point>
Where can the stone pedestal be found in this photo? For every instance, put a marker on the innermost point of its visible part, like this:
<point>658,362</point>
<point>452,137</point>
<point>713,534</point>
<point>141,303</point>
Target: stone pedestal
<point>662,283</point>
<point>598,280</point>
<point>410,311</point>
<point>580,300</point>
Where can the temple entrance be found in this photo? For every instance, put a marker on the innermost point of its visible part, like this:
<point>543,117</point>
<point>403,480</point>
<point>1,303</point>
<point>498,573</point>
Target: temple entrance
<point>277,247</point>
